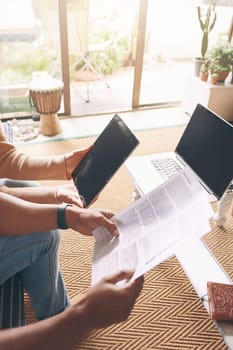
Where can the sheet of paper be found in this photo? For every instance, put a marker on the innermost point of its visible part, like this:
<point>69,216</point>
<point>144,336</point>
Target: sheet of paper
<point>151,227</point>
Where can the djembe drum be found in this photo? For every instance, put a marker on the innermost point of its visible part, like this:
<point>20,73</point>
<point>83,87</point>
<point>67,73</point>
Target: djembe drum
<point>46,93</point>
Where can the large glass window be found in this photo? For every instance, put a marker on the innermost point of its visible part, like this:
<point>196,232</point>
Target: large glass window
<point>99,61</point>
<point>102,44</point>
<point>29,42</point>
<point>172,40</point>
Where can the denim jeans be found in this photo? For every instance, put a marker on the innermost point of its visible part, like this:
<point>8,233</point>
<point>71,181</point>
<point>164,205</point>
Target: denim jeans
<point>35,257</point>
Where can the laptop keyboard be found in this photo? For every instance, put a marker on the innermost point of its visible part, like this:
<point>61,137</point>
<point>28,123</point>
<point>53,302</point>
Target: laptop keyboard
<point>166,167</point>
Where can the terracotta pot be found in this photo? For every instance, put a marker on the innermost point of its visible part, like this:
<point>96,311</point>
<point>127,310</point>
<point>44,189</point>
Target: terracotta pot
<point>204,76</point>
<point>85,75</point>
<point>222,76</point>
<point>214,79</point>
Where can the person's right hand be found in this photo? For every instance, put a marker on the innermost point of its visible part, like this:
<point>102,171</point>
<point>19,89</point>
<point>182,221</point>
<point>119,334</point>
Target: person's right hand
<point>107,302</point>
<point>73,158</point>
<point>86,220</point>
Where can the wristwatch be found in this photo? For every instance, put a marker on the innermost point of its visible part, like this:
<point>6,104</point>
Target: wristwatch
<point>61,216</point>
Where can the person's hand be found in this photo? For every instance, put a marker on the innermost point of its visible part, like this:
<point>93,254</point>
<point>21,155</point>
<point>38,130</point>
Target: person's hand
<point>68,194</point>
<point>86,220</point>
<point>107,302</point>
<point>72,159</point>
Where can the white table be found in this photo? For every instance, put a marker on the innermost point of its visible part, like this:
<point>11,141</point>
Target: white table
<point>198,263</point>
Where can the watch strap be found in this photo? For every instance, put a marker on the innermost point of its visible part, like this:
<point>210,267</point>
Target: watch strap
<point>61,216</point>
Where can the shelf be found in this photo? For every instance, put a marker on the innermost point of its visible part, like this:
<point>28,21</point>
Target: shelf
<point>218,98</point>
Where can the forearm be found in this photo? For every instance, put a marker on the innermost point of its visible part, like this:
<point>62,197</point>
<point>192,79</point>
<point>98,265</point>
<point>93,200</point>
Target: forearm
<point>22,217</point>
<point>59,332</point>
<point>17,165</point>
<point>33,194</point>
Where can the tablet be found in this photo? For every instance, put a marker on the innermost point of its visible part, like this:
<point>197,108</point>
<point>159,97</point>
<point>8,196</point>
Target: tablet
<point>108,153</point>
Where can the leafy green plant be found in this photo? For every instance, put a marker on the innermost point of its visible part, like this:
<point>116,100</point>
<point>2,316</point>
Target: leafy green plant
<point>207,19</point>
<point>221,57</point>
<point>19,62</point>
<point>107,62</point>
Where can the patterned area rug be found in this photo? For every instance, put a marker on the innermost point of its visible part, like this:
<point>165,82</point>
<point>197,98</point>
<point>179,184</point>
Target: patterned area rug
<point>168,314</point>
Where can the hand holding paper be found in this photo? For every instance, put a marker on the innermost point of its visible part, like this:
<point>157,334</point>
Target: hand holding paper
<point>151,227</point>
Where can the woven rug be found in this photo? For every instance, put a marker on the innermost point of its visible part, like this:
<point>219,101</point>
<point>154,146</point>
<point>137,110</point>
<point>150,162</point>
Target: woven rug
<point>168,314</point>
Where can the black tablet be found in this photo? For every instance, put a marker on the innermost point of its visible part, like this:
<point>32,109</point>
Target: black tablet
<point>108,153</point>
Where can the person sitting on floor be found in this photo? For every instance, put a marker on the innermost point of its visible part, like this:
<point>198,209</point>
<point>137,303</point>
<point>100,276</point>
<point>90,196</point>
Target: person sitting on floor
<point>29,245</point>
<point>104,304</point>
<point>23,251</point>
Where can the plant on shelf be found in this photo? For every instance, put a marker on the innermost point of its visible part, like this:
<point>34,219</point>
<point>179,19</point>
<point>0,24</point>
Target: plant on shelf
<point>214,78</point>
<point>207,21</point>
<point>221,58</point>
<point>207,18</point>
<point>204,71</point>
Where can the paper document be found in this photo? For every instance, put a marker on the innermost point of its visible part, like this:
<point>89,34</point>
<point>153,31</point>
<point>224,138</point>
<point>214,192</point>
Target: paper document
<point>151,227</point>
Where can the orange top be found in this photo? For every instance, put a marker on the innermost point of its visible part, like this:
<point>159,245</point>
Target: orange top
<point>17,165</point>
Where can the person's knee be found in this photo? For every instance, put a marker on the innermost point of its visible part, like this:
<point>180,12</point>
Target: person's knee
<point>55,238</point>
<point>51,240</point>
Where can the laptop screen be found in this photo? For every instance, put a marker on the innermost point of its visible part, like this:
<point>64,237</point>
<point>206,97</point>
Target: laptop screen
<point>207,147</point>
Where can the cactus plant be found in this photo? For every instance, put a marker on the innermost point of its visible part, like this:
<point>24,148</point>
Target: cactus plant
<point>207,21</point>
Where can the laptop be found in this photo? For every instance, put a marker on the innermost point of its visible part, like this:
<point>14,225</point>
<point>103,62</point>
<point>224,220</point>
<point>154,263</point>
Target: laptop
<point>108,153</point>
<point>206,147</point>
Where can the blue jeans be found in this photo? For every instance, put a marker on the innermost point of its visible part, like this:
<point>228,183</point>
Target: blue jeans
<point>35,257</point>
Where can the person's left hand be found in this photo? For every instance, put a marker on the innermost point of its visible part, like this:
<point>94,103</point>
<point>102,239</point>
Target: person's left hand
<point>72,159</point>
<point>68,194</point>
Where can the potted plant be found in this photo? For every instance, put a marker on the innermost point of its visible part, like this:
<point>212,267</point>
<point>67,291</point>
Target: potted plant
<point>204,71</point>
<point>221,58</point>
<point>214,78</point>
<point>207,18</point>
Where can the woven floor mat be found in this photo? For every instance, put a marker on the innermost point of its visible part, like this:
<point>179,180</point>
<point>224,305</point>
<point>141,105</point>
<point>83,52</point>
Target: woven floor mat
<point>168,314</point>
<point>220,243</point>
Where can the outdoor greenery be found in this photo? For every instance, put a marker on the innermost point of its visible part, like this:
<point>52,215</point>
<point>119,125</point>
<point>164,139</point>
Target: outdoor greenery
<point>18,61</point>
<point>106,60</point>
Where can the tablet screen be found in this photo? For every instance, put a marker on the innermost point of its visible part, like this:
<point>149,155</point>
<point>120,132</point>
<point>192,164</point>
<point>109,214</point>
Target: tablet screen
<point>108,153</point>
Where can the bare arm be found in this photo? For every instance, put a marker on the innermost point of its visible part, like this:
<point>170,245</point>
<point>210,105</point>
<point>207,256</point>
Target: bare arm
<point>105,304</point>
<point>17,165</point>
<point>46,194</point>
<point>31,217</point>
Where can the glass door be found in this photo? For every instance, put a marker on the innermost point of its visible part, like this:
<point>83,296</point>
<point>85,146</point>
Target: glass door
<point>102,37</point>
<point>167,53</point>
<point>168,40</point>
<point>29,42</point>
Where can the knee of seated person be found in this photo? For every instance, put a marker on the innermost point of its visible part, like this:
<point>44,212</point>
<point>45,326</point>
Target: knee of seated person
<point>51,238</point>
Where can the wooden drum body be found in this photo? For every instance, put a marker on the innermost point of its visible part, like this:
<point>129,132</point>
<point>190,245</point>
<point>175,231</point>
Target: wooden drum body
<point>46,94</point>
